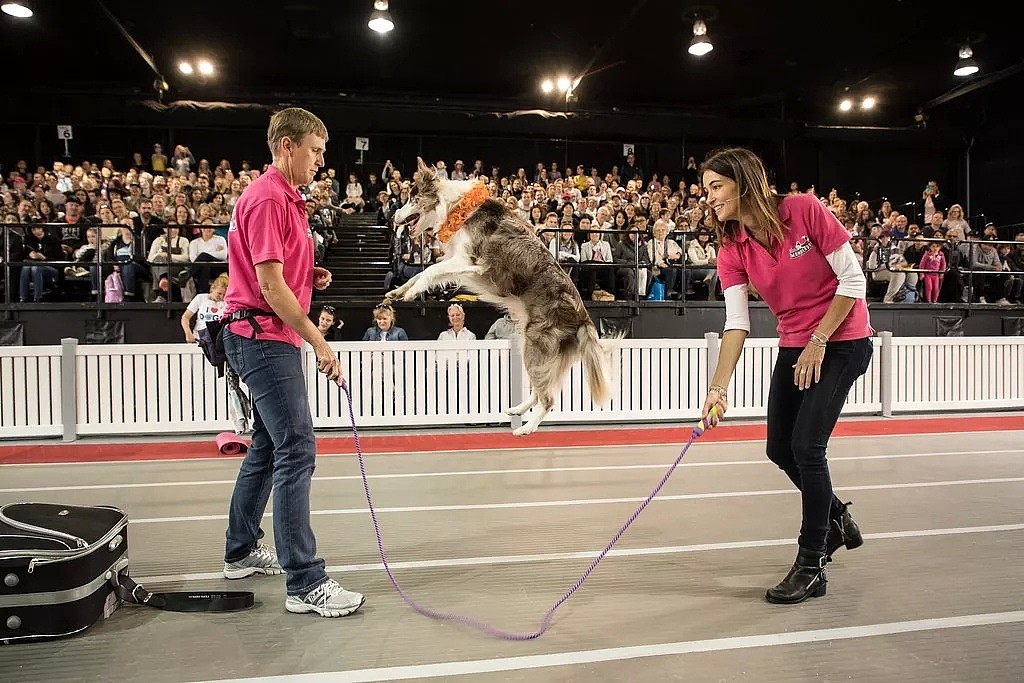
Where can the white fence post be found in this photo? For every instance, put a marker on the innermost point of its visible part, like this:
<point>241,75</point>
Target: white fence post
<point>885,373</point>
<point>712,339</point>
<point>515,380</point>
<point>69,388</point>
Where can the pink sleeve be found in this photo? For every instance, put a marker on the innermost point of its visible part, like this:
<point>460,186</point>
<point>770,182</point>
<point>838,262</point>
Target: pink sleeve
<point>264,232</point>
<point>824,229</point>
<point>730,270</point>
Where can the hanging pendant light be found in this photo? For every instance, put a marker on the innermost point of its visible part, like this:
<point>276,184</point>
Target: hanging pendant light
<point>380,20</point>
<point>701,44</point>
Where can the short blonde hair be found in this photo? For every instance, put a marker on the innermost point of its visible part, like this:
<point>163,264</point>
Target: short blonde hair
<point>293,123</point>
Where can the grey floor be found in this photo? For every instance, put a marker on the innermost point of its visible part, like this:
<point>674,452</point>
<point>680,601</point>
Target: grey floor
<point>935,594</point>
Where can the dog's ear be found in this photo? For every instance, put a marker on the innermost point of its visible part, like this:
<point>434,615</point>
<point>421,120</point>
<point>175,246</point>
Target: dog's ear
<point>425,175</point>
<point>425,170</point>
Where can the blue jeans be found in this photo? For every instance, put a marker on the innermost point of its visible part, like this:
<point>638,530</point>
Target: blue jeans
<point>801,422</point>
<point>37,275</point>
<point>282,455</point>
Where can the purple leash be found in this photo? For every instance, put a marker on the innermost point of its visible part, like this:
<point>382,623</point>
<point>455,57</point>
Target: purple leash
<point>701,427</point>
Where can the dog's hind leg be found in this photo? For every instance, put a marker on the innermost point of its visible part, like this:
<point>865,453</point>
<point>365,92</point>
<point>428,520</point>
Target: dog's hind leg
<point>530,402</point>
<point>545,367</point>
<point>535,420</point>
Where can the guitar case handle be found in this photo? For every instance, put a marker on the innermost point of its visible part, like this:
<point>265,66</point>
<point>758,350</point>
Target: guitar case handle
<point>181,601</point>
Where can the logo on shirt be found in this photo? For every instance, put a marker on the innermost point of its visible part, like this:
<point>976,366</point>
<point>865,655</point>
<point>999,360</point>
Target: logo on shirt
<point>802,246</point>
<point>232,226</point>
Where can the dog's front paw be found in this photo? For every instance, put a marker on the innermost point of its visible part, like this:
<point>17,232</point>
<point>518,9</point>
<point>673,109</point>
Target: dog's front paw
<point>524,430</point>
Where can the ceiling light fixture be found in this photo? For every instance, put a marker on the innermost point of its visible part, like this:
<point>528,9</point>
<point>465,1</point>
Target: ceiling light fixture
<point>16,9</point>
<point>380,20</point>
<point>868,103</point>
<point>563,84</point>
<point>205,67</point>
<point>966,65</point>
<point>846,105</point>
<point>701,44</point>
<point>185,68</point>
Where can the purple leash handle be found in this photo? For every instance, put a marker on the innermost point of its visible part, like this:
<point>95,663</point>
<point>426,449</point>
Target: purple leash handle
<point>698,430</point>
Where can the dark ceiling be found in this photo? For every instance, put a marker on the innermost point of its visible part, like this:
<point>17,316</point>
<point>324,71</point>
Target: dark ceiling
<point>791,59</point>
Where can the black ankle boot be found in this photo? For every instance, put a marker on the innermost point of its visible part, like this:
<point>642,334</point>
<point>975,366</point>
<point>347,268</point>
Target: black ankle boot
<point>842,530</point>
<point>805,580</point>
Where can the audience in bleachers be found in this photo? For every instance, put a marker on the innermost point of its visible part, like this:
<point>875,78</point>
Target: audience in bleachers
<point>622,234</point>
<point>659,247</point>
<point>176,209</point>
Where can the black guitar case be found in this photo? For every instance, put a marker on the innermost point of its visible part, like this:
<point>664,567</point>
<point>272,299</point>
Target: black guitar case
<point>65,567</point>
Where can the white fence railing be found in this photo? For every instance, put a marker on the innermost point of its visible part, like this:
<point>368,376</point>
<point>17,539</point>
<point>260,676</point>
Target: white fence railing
<point>30,391</point>
<point>170,388</point>
<point>958,373</point>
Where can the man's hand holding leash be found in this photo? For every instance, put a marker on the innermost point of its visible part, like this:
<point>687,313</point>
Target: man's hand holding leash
<point>282,300</point>
<point>327,362</point>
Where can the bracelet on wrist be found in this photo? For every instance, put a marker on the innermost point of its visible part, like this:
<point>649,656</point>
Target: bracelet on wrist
<point>720,390</point>
<point>818,339</point>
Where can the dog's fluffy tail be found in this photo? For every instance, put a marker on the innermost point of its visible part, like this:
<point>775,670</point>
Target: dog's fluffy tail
<point>597,362</point>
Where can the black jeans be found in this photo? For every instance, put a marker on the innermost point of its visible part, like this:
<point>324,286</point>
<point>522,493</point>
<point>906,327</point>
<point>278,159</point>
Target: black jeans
<point>801,422</point>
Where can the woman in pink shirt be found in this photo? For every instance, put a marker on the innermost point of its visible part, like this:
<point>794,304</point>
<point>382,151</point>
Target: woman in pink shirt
<point>798,257</point>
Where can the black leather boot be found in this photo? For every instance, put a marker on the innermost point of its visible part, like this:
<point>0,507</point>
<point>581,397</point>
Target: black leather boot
<point>842,531</point>
<point>805,580</point>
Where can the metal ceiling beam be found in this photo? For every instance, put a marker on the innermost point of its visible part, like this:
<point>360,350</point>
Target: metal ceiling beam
<point>972,86</point>
<point>160,84</point>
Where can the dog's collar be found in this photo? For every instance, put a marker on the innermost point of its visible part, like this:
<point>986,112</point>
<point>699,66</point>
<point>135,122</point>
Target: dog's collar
<point>466,205</point>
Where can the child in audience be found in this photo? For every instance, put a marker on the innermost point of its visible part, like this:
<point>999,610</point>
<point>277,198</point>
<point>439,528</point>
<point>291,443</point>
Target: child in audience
<point>933,262</point>
<point>204,308</point>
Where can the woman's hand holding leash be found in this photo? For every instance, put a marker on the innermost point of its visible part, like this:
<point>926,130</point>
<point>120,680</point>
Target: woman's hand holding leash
<point>808,366</point>
<point>718,399</point>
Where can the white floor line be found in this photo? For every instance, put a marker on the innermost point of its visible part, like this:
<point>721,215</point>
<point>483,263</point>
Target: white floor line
<point>502,449</point>
<point>596,501</point>
<point>616,654</point>
<point>520,470</point>
<point>590,554</point>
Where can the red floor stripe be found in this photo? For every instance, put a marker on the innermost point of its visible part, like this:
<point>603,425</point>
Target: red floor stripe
<point>550,438</point>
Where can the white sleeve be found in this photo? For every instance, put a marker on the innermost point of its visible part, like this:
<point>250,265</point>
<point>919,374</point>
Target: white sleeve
<point>197,303</point>
<point>737,312</point>
<point>852,282</point>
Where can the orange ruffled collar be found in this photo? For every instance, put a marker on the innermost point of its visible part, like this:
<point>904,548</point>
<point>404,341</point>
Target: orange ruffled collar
<point>466,205</point>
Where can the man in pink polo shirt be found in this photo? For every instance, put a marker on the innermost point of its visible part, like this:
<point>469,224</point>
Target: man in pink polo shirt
<point>798,257</point>
<point>270,256</point>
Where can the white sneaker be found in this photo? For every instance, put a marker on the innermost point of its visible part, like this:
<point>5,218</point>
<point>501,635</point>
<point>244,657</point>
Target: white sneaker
<point>262,560</point>
<point>1003,302</point>
<point>328,599</point>
<point>981,300</point>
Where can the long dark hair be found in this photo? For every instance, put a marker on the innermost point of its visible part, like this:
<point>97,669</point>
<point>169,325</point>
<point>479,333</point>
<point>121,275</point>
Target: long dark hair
<point>756,198</point>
